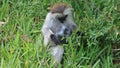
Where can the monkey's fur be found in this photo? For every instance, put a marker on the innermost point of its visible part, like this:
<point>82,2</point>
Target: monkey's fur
<point>58,23</point>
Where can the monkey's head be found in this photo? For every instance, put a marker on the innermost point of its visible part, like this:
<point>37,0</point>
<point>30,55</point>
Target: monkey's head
<point>61,11</point>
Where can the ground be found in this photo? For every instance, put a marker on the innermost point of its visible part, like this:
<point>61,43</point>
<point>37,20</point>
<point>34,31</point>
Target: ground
<point>21,41</point>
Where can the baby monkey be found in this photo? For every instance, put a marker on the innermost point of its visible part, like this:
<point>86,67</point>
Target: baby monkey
<point>58,24</point>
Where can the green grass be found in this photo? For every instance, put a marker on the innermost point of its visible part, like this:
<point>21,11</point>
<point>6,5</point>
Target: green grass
<point>21,42</point>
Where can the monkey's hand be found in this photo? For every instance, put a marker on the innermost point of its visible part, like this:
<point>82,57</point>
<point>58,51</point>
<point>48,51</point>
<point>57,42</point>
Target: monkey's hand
<point>55,39</point>
<point>58,40</point>
<point>64,41</point>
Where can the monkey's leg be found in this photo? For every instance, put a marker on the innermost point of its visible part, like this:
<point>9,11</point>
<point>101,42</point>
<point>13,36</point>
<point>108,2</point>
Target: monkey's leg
<point>57,53</point>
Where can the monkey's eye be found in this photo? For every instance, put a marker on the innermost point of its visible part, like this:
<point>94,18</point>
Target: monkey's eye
<point>65,16</point>
<point>62,19</point>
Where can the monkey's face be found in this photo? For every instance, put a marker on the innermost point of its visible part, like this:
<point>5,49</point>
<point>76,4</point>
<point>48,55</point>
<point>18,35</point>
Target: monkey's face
<point>61,15</point>
<point>61,12</point>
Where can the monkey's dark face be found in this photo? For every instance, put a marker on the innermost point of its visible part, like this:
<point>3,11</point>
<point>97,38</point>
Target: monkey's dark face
<point>62,18</point>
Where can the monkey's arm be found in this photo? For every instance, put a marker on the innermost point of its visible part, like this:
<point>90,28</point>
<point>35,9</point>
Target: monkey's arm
<point>46,34</point>
<point>49,35</point>
<point>46,29</point>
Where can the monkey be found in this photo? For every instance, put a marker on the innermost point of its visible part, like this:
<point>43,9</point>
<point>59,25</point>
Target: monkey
<point>58,24</point>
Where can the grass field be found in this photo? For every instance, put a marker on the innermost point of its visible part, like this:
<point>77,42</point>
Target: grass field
<point>21,41</point>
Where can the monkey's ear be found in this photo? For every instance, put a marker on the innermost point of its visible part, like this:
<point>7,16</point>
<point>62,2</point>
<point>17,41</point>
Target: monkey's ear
<point>68,11</point>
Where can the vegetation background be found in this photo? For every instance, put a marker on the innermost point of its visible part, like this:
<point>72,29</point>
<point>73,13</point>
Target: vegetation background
<point>21,42</point>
